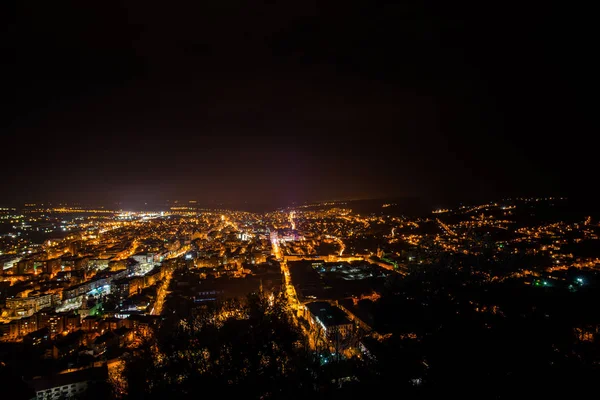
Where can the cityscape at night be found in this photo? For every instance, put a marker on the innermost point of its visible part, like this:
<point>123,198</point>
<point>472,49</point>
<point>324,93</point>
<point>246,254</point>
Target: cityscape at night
<point>315,298</point>
<point>298,200</point>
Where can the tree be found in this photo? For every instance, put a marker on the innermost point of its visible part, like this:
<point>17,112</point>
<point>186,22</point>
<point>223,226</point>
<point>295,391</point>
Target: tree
<point>251,349</point>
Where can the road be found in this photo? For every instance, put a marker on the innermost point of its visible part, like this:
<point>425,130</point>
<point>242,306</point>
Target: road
<point>289,288</point>
<point>180,252</point>
<point>340,243</point>
<point>290,291</point>
<point>162,294</point>
<point>445,227</point>
<point>164,286</point>
<point>276,250</point>
<point>295,305</point>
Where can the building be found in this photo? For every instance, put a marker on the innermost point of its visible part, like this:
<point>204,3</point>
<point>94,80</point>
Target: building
<point>98,264</point>
<point>141,323</point>
<point>123,288</point>
<point>69,385</point>
<point>152,277</point>
<point>112,339</point>
<point>331,320</point>
<point>90,324</point>
<point>28,325</point>
<point>144,258</point>
<point>37,338</point>
<point>53,321</point>
<point>72,322</point>
<point>9,331</point>
<point>67,345</point>
<point>26,306</point>
<point>8,261</point>
<point>110,324</point>
<point>24,266</point>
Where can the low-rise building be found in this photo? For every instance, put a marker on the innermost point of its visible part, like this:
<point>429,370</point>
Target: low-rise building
<point>329,319</point>
<point>69,385</point>
<point>24,306</point>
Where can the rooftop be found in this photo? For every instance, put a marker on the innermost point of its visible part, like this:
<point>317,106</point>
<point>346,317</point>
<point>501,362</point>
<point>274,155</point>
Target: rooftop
<point>326,313</point>
<point>89,374</point>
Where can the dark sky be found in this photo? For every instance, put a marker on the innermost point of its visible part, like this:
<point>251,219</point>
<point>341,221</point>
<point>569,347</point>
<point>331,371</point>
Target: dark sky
<point>233,101</point>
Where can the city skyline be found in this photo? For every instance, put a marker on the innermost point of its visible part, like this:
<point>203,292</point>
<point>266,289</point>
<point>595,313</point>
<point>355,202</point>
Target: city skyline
<point>98,302</point>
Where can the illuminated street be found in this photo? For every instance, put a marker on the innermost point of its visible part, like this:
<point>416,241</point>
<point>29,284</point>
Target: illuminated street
<point>162,293</point>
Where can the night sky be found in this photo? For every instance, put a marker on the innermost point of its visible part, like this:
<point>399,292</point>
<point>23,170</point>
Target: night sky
<point>232,101</point>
